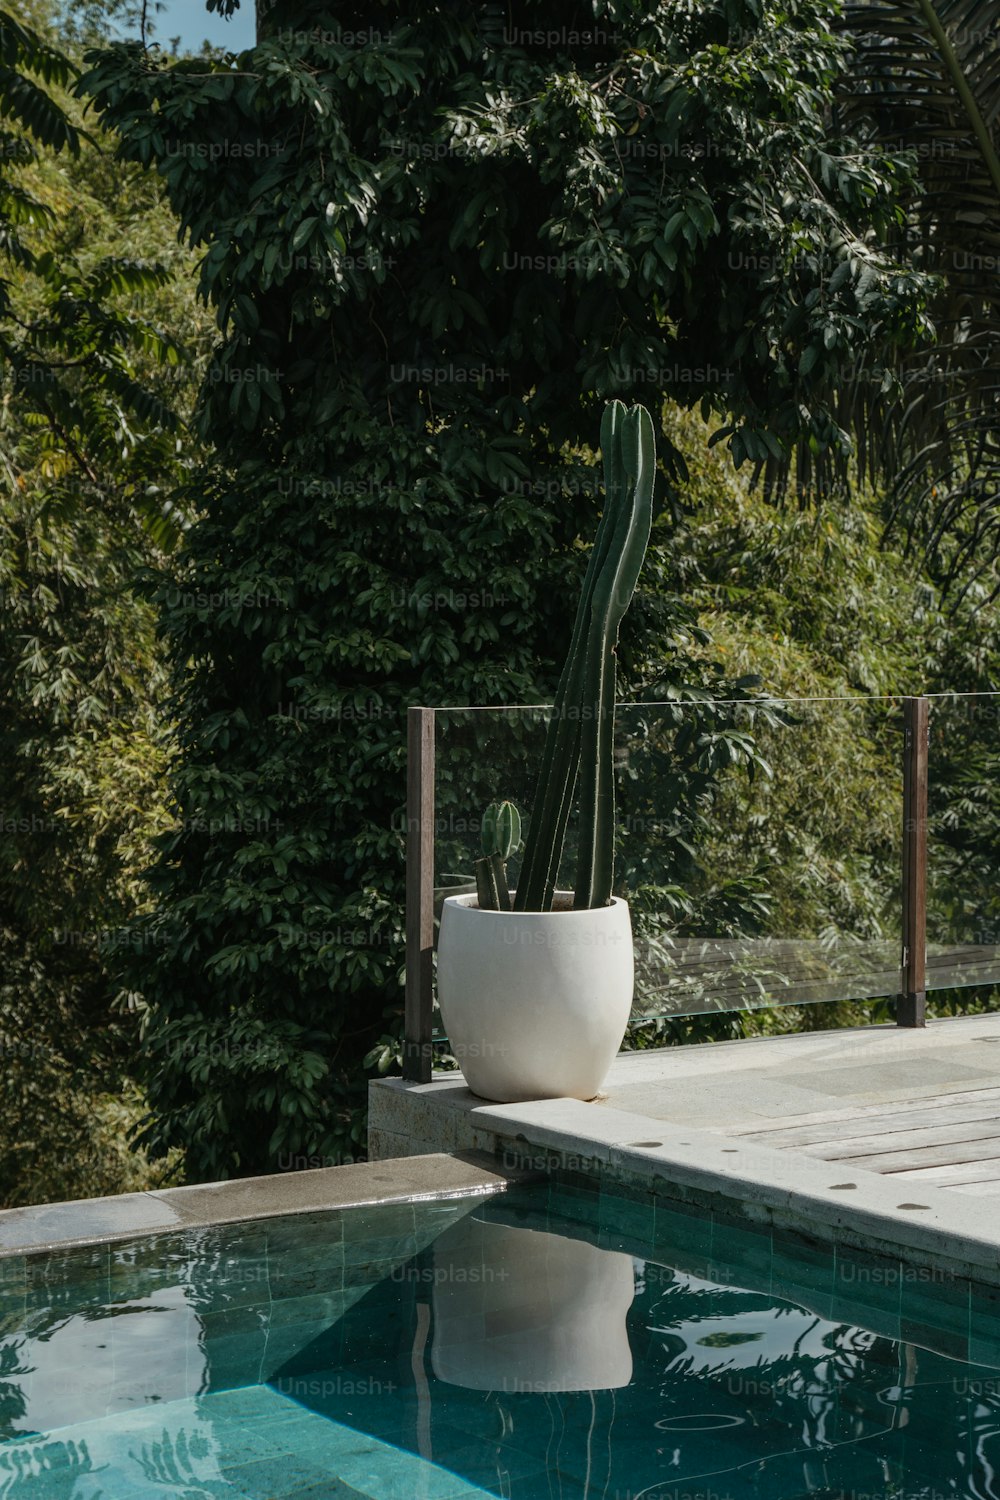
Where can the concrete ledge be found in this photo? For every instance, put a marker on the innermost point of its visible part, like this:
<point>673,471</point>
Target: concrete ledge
<point>922,1225</point>
<point>50,1226</point>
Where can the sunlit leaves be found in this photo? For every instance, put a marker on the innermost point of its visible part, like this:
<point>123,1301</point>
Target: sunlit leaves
<point>29,66</point>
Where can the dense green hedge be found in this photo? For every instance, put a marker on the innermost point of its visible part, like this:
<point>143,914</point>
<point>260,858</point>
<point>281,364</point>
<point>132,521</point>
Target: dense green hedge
<point>435,242</point>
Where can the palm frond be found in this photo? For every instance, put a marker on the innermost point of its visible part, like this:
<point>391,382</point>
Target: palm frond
<point>24,58</point>
<point>925,78</point>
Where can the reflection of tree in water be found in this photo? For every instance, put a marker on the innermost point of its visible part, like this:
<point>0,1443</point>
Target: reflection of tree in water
<point>833,1409</point>
<point>14,1366</point>
<point>152,1281</point>
<point>732,1393</point>
<point>201,1261</point>
<point>173,1460</point>
<point>62,1463</point>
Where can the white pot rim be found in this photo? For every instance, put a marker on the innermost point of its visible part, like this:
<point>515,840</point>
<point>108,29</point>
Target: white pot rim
<point>470,902</point>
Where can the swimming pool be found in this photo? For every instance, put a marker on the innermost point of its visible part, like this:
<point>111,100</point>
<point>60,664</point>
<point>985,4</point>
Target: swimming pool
<point>545,1342</point>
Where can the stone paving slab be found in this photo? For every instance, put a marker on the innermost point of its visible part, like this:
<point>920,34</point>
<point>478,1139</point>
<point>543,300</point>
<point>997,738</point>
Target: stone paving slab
<point>55,1225</point>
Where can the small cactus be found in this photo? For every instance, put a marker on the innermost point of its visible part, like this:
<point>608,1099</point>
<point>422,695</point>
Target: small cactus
<point>501,838</point>
<point>501,829</point>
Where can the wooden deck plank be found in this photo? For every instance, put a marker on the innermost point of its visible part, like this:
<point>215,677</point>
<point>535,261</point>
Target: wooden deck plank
<point>875,1142</point>
<point>798,1131</point>
<point>929,1155</point>
<point>956,1175</point>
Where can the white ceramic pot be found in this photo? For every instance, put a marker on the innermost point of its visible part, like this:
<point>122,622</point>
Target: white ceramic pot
<point>534,1004</point>
<point>526,1310</point>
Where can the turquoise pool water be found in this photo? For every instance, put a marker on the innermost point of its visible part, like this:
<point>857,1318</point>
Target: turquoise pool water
<point>544,1343</point>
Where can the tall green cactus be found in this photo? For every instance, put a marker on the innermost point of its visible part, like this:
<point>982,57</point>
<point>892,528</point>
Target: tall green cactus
<point>580,738</point>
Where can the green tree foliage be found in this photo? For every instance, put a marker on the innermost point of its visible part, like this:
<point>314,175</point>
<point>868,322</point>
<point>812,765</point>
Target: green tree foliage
<point>808,595</point>
<point>71,342</point>
<point>811,598</point>
<point>91,389</point>
<point>924,76</point>
<point>29,62</point>
<point>435,242</point>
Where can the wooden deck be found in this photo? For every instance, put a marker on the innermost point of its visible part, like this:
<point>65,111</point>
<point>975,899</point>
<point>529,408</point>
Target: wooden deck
<point>952,1142</point>
<point>918,1107</point>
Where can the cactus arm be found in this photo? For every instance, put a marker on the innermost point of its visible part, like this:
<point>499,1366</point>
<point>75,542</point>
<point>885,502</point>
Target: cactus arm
<point>597,806</point>
<point>557,777</point>
<point>501,832</point>
<point>612,595</point>
<point>491,884</point>
<point>508,829</point>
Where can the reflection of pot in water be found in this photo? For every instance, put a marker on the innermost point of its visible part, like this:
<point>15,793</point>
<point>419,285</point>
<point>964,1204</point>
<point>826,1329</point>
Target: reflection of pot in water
<point>525,1310</point>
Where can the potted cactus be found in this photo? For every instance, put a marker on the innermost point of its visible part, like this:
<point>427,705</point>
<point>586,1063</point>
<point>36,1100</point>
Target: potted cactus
<point>535,991</point>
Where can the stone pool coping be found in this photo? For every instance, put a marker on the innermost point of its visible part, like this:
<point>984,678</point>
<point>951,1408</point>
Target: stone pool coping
<point>923,1226</point>
<point>416,1178</point>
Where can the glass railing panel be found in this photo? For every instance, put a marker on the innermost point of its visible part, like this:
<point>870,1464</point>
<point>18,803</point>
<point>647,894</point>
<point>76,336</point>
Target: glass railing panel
<point>752,881</point>
<point>963,841</point>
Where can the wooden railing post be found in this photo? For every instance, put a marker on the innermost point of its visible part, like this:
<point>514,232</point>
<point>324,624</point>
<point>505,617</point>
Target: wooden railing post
<point>419,1001</point>
<point>912,1005</point>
